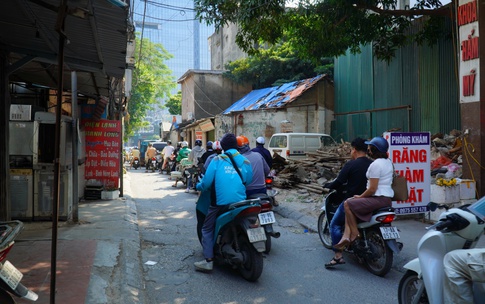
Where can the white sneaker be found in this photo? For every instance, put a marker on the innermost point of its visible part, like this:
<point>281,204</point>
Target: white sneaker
<point>204,265</point>
<point>186,190</point>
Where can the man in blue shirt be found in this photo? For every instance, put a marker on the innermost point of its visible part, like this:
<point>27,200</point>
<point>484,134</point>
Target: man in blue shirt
<point>229,187</point>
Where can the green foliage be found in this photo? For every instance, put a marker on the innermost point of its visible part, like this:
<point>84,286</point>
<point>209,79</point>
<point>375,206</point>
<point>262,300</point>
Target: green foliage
<point>276,65</point>
<point>174,104</point>
<point>325,28</point>
<point>152,82</point>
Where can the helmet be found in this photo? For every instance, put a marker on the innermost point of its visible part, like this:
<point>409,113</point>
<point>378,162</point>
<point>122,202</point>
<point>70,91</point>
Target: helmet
<point>179,144</point>
<point>198,142</point>
<point>380,143</point>
<point>209,144</point>
<point>169,142</point>
<point>185,144</point>
<point>217,146</point>
<point>242,141</point>
<point>260,140</point>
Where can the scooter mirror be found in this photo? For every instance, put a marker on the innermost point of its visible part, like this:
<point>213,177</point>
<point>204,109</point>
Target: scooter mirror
<point>432,206</point>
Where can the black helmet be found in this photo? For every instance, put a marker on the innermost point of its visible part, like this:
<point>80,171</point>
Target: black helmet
<point>209,144</point>
<point>169,142</point>
<point>380,143</point>
<point>198,142</point>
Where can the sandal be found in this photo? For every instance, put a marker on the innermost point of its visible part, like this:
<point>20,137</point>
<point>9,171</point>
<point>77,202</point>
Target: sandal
<point>334,262</point>
<point>344,243</point>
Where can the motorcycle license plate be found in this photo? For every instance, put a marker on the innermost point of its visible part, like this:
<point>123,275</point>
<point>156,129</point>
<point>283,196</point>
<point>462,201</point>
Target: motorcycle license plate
<point>256,234</point>
<point>10,275</point>
<point>266,218</point>
<point>389,233</point>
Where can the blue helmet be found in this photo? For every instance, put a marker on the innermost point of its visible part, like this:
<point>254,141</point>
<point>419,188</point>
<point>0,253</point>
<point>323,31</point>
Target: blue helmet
<point>380,143</point>
<point>209,144</point>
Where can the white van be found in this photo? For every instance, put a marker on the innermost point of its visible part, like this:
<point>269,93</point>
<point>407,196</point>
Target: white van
<point>295,145</point>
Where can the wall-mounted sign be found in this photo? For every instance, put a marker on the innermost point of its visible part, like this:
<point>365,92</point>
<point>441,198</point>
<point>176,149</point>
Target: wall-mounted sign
<point>467,21</point>
<point>103,140</point>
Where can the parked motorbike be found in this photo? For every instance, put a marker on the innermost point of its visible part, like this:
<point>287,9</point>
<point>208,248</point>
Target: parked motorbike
<point>239,240</point>
<point>266,216</point>
<point>377,244</point>
<point>136,163</point>
<point>457,228</point>
<point>10,277</point>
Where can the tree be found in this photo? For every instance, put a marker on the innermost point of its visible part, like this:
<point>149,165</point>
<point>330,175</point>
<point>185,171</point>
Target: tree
<point>276,65</point>
<point>326,28</point>
<point>174,104</point>
<point>152,82</point>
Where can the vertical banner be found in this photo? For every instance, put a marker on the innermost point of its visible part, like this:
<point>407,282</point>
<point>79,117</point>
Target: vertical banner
<point>410,154</point>
<point>103,140</point>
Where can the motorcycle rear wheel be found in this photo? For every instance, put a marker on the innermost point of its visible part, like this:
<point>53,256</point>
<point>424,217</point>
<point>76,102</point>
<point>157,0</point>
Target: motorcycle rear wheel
<point>381,262</point>
<point>324,231</point>
<point>408,287</point>
<point>6,298</point>
<point>252,266</point>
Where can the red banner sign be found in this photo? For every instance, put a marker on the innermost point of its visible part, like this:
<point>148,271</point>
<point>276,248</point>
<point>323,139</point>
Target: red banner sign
<point>103,140</point>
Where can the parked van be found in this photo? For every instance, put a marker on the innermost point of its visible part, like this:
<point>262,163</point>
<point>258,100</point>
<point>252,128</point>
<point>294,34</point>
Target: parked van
<point>295,145</point>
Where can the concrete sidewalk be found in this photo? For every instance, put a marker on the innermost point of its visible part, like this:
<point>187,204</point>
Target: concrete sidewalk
<point>97,258</point>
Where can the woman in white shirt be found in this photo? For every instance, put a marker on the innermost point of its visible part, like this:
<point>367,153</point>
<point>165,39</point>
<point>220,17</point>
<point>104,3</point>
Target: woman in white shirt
<point>378,194</point>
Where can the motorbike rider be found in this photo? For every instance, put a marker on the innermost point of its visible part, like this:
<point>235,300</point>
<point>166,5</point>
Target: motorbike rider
<point>184,151</point>
<point>175,154</point>
<point>135,152</point>
<point>209,151</point>
<point>258,164</point>
<point>378,193</point>
<point>229,172</point>
<point>352,177</point>
<point>194,157</point>
<point>263,151</point>
<point>167,153</point>
<point>149,154</point>
<point>462,268</point>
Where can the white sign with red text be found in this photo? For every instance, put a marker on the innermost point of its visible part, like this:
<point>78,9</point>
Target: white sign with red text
<point>410,154</point>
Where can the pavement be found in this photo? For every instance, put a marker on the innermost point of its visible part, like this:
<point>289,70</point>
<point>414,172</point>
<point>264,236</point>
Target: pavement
<point>98,257</point>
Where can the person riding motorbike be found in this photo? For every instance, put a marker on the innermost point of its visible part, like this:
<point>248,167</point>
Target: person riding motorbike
<point>263,151</point>
<point>184,151</point>
<point>462,268</point>
<point>353,177</point>
<point>167,153</point>
<point>194,157</point>
<point>209,151</point>
<point>258,164</point>
<point>134,153</point>
<point>229,172</point>
<point>149,154</point>
<point>175,154</point>
<point>378,193</point>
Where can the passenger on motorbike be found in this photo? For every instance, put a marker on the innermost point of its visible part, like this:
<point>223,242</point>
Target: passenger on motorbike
<point>149,154</point>
<point>229,172</point>
<point>209,151</point>
<point>175,155</point>
<point>462,268</point>
<point>258,164</point>
<point>206,197</point>
<point>352,176</point>
<point>378,194</point>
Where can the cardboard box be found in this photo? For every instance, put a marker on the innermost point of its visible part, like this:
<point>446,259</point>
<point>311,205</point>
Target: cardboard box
<point>109,195</point>
<point>467,189</point>
<point>445,195</point>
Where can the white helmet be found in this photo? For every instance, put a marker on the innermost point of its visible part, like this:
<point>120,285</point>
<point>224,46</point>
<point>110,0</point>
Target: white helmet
<point>185,144</point>
<point>260,140</point>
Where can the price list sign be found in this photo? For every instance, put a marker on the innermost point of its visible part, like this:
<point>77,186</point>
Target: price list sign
<point>103,140</point>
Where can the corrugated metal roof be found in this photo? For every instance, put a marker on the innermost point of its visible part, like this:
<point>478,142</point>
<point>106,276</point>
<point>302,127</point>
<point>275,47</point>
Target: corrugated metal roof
<point>274,97</point>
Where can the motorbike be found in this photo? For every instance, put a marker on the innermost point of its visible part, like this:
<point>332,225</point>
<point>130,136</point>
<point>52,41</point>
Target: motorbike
<point>266,216</point>
<point>239,239</point>
<point>152,164</point>
<point>192,172</point>
<point>457,228</point>
<point>10,277</point>
<point>136,163</point>
<point>377,244</point>
<point>169,166</point>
